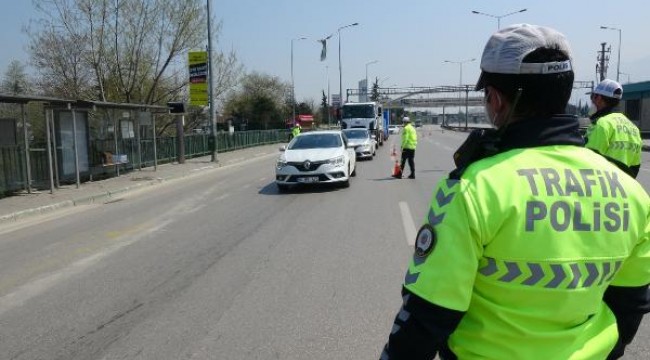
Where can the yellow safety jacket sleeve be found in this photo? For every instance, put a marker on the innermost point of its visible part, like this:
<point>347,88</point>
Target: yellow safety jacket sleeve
<point>455,249</point>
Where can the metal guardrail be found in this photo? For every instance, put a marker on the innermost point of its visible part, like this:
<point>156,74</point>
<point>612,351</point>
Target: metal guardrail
<point>140,154</point>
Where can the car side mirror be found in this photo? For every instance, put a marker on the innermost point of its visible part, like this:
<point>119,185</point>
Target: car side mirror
<point>282,148</point>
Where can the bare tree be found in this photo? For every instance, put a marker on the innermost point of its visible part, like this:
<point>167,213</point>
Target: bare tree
<point>121,50</point>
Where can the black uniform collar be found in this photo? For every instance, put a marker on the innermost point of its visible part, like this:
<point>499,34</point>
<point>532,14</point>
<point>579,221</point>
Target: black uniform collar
<point>533,132</point>
<point>602,112</point>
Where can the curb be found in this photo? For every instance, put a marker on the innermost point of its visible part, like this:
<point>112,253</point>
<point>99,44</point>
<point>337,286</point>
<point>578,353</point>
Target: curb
<point>35,211</point>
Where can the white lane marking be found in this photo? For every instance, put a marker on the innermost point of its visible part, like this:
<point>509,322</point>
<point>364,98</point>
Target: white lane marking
<point>262,179</point>
<point>407,221</point>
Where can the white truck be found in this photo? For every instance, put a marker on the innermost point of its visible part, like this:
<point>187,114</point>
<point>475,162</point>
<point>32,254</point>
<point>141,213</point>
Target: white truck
<point>366,115</point>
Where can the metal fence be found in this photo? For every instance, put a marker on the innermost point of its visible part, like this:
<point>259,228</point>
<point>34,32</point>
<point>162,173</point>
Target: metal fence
<point>140,154</point>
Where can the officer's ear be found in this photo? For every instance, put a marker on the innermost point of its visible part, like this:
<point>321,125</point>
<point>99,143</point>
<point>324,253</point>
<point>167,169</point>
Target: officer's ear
<point>494,97</point>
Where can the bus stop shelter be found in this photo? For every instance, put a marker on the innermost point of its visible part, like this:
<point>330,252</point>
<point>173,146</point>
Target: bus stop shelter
<point>71,147</point>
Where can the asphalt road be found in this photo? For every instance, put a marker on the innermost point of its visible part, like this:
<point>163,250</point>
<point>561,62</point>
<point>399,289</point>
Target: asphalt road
<point>222,266</point>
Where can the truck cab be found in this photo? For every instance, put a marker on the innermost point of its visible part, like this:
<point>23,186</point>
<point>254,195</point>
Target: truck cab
<point>366,115</point>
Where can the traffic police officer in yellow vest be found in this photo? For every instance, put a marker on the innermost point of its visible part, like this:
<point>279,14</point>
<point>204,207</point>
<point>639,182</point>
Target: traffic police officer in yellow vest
<point>295,130</point>
<point>534,247</point>
<point>611,133</point>
<point>409,143</point>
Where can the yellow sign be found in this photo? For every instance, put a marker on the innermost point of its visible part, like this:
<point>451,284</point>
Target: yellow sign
<point>198,67</point>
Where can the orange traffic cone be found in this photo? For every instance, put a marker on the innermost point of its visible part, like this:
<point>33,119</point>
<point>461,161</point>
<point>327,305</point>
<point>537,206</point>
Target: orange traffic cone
<point>397,170</point>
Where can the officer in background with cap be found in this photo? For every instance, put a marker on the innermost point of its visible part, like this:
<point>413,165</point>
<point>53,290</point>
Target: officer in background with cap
<point>534,247</point>
<point>611,133</point>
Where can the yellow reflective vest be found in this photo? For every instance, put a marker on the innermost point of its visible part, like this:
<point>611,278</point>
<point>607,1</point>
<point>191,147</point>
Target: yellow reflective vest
<point>617,138</point>
<point>409,137</point>
<point>525,243</point>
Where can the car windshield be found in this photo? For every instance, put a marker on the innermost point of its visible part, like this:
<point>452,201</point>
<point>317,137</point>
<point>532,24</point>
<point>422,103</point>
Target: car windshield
<point>316,141</point>
<point>358,111</point>
<point>356,134</point>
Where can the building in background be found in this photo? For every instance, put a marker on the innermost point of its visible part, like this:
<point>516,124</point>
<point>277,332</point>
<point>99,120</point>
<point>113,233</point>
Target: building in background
<point>636,105</point>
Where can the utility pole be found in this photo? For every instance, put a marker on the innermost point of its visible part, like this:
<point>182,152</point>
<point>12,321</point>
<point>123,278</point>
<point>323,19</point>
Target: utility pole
<point>603,59</point>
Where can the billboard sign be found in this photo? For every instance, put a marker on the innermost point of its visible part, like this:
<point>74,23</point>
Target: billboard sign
<point>198,67</point>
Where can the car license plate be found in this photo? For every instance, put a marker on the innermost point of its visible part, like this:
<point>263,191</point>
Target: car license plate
<point>308,179</point>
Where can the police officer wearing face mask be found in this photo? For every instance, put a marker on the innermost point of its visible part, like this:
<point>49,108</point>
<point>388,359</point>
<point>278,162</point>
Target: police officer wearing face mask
<point>611,133</point>
<point>534,247</point>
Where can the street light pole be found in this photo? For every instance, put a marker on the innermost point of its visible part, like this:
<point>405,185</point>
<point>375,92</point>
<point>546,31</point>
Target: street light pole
<point>498,17</point>
<point>460,85</point>
<point>618,64</point>
<point>368,63</point>
<point>628,76</point>
<point>460,64</point>
<point>293,87</point>
<point>213,120</point>
<point>340,66</point>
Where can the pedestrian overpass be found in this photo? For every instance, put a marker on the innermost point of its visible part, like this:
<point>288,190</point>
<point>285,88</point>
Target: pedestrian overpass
<point>437,96</point>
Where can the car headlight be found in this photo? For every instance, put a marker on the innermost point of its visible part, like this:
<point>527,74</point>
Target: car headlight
<point>337,161</point>
<point>280,163</point>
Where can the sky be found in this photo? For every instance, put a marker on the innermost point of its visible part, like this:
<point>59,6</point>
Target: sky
<point>409,40</point>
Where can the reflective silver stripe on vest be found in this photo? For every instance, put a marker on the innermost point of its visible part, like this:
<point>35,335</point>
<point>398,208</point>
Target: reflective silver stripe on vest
<point>550,275</point>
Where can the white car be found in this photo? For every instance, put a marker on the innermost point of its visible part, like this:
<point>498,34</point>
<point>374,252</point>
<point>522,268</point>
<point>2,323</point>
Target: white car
<point>316,157</point>
<point>393,129</point>
<point>364,145</point>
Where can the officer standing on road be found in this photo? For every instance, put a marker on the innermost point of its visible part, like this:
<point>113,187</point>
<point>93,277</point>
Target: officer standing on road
<point>534,247</point>
<point>409,143</point>
<point>611,133</point>
<point>295,130</point>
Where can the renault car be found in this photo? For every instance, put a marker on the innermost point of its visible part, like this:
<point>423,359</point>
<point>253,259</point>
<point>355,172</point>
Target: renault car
<point>316,157</point>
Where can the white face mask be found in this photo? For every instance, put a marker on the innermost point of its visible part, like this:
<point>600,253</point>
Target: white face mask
<point>491,118</point>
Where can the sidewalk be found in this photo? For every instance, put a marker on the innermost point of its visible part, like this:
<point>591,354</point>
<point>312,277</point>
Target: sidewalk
<point>17,207</point>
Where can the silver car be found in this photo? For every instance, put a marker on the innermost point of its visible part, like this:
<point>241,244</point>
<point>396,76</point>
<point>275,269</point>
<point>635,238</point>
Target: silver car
<point>316,157</point>
<point>364,145</point>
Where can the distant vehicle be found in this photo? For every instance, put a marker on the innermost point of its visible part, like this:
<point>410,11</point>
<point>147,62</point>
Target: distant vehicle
<point>316,157</point>
<point>393,129</point>
<point>367,115</point>
<point>364,145</point>
<point>418,123</point>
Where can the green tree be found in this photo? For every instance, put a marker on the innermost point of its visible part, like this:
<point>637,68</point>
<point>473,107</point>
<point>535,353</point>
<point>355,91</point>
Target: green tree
<point>375,91</point>
<point>15,80</point>
<point>324,107</point>
<point>260,102</point>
